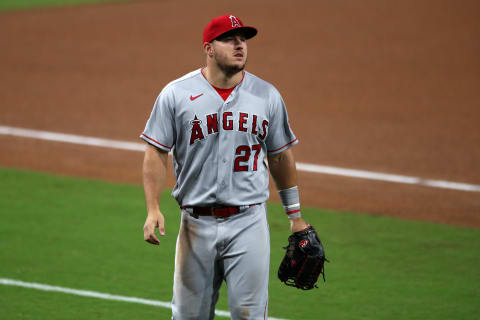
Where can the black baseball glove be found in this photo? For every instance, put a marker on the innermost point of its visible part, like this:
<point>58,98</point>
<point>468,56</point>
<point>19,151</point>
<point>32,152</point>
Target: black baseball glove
<point>303,261</point>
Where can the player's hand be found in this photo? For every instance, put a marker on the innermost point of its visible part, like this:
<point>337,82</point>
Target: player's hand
<point>153,221</point>
<point>298,224</point>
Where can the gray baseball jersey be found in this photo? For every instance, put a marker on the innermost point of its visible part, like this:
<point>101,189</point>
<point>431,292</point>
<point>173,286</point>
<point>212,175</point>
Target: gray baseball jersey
<point>219,146</point>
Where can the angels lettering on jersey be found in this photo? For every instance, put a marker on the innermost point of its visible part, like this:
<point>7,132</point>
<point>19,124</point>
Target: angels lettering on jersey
<point>238,121</point>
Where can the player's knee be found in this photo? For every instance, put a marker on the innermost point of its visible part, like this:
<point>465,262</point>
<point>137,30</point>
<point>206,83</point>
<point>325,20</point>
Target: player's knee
<point>246,312</point>
<point>241,313</point>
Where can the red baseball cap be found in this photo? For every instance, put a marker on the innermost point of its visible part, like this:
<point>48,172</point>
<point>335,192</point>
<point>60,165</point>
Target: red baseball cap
<point>220,25</point>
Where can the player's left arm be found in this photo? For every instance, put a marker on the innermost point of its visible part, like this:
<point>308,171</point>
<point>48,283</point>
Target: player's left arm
<point>284,173</point>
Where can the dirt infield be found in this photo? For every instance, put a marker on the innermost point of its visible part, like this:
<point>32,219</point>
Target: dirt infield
<point>369,85</point>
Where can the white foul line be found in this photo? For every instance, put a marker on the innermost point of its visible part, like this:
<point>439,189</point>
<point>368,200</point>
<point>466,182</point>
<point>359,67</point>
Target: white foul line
<point>362,174</point>
<point>99,295</point>
<point>306,167</point>
<point>71,138</point>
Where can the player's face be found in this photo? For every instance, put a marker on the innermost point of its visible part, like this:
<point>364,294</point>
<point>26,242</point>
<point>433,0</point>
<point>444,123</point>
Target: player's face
<point>230,52</point>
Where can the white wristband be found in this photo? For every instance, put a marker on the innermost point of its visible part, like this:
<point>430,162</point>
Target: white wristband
<point>291,202</point>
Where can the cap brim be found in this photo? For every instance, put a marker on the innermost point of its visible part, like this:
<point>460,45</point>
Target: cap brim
<point>249,32</point>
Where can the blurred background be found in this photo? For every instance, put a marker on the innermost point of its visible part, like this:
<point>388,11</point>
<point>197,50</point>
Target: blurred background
<point>381,86</point>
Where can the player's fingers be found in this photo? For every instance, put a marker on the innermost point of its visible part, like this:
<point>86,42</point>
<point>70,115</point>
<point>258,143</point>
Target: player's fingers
<point>147,231</point>
<point>161,226</point>
<point>153,239</point>
<point>146,236</point>
<point>149,234</point>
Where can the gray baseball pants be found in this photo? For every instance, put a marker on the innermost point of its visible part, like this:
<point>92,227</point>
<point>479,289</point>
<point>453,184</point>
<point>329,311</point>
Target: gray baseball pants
<point>209,250</point>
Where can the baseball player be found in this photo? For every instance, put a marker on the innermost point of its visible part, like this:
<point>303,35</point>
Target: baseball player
<point>220,123</point>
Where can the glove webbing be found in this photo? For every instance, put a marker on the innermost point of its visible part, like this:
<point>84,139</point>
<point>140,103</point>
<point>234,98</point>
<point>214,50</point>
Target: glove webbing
<point>310,278</point>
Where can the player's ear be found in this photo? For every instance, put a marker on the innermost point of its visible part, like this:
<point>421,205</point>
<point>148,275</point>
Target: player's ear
<point>208,48</point>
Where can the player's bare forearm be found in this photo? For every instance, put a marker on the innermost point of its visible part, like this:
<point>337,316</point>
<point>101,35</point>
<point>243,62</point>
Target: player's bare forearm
<point>283,169</point>
<point>154,175</point>
<point>284,173</point>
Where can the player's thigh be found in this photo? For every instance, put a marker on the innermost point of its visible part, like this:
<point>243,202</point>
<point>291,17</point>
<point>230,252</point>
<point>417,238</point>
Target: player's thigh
<point>247,268</point>
<point>197,277</point>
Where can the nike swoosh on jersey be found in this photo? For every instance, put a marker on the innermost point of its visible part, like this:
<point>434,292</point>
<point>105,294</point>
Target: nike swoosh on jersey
<point>193,98</point>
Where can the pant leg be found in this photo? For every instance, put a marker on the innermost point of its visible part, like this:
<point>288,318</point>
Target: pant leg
<point>246,259</point>
<point>198,275</point>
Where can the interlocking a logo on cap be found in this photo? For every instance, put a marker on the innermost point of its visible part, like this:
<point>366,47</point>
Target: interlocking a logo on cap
<point>235,22</point>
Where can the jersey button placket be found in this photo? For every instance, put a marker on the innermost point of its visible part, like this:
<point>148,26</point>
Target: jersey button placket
<point>221,151</point>
<point>225,148</point>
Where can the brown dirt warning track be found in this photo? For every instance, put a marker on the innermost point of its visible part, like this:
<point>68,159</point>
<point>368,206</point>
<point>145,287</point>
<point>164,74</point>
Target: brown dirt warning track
<point>372,85</point>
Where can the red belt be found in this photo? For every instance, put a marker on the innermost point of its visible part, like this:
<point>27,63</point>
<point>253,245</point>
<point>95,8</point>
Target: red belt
<point>218,212</point>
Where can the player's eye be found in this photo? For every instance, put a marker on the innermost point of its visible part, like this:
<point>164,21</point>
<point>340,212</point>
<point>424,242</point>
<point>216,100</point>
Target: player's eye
<point>232,39</point>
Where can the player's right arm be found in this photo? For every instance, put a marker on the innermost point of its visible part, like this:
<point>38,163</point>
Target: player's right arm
<point>154,175</point>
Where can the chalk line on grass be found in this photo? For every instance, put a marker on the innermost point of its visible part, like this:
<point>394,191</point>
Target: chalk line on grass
<point>71,138</point>
<point>363,174</point>
<point>305,167</point>
<point>99,295</point>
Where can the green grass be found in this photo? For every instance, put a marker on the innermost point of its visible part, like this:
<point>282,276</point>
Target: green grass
<point>30,4</point>
<point>86,234</point>
<point>32,304</point>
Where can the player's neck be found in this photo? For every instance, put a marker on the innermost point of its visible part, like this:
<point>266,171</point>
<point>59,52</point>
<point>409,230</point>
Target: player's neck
<point>219,79</point>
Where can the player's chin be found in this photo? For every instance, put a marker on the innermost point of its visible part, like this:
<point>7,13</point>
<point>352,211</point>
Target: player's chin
<point>238,65</point>
<point>241,60</point>
<point>241,67</point>
<point>232,68</point>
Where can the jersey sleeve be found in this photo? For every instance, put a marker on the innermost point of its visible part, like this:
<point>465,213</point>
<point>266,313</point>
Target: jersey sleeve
<point>160,128</point>
<point>280,136</point>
